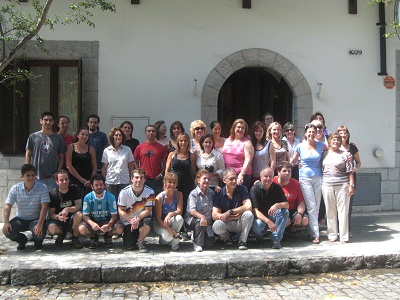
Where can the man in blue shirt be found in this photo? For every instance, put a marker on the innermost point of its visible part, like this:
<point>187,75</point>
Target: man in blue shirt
<point>232,210</point>
<point>99,214</point>
<point>32,199</point>
<point>97,139</point>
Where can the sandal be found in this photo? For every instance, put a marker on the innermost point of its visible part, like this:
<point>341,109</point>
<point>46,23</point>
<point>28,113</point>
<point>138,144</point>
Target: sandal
<point>332,241</point>
<point>315,240</point>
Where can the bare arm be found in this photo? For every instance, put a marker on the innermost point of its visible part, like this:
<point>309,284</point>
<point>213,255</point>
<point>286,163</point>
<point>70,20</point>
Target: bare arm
<point>104,169</point>
<point>169,159</point>
<point>272,157</point>
<point>28,156</point>
<point>7,212</point>
<point>248,157</point>
<point>93,161</point>
<point>38,228</point>
<point>295,158</point>
<point>358,161</point>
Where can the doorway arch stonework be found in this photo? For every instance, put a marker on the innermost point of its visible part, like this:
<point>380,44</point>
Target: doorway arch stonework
<point>257,58</point>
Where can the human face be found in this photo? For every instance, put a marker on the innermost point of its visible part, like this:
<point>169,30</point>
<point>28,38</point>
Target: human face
<point>310,133</point>
<point>199,132</point>
<point>290,132</point>
<point>138,180</point>
<point>162,130</point>
<point>266,178</point>
<point>240,129</point>
<point>151,133</point>
<point>127,129</point>
<point>176,130</point>
<point>285,174</point>
<point>183,143</point>
<point>344,135</point>
<point>276,131</point>
<point>117,138</point>
<point>319,131</point>
<point>259,133</point>
<point>335,144</point>
<point>83,136</point>
<point>170,185</point>
<point>268,120</point>
<point>204,182</point>
<point>320,118</point>
<point>93,124</point>
<point>231,180</point>
<point>98,187</point>
<point>63,124</point>
<point>47,122</point>
<point>62,181</point>
<point>29,178</point>
<point>216,131</point>
<point>208,145</point>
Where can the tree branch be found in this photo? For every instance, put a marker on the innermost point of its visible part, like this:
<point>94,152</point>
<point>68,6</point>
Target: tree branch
<point>27,38</point>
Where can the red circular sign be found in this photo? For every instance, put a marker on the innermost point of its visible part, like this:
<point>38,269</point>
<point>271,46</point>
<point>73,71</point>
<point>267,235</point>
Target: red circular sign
<point>389,82</point>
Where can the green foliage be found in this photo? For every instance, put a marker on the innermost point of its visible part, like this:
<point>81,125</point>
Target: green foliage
<point>18,25</point>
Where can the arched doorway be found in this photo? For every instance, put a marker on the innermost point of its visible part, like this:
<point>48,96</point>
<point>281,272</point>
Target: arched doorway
<point>270,61</point>
<point>250,92</point>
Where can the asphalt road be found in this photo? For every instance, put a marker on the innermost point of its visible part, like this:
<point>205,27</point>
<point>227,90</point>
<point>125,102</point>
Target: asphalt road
<point>361,284</point>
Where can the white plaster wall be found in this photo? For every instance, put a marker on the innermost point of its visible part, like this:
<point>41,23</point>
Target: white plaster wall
<point>151,53</point>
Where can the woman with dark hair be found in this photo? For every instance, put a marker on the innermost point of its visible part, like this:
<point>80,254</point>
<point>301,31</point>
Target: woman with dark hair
<point>211,160</point>
<point>274,134</point>
<point>81,161</point>
<point>216,131</point>
<point>117,162</point>
<point>353,150</point>
<point>238,152</point>
<point>264,154</point>
<point>289,132</point>
<point>127,128</point>
<point>161,131</point>
<point>183,164</point>
<point>310,175</point>
<point>175,129</point>
<point>199,212</point>
<point>168,212</point>
<point>320,117</point>
<point>337,187</point>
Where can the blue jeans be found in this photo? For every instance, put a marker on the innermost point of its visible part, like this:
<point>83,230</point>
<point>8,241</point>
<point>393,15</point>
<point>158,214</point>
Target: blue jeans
<point>18,225</point>
<point>280,220</point>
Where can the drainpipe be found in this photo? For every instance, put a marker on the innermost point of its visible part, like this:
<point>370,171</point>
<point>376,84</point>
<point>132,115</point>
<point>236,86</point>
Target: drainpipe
<point>382,38</point>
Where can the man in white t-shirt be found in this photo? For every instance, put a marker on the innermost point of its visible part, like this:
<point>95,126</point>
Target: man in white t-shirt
<point>135,203</point>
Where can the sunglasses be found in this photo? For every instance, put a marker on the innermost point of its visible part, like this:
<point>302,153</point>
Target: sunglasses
<point>199,128</point>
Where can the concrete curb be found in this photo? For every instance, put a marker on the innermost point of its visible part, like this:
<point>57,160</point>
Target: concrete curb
<point>194,271</point>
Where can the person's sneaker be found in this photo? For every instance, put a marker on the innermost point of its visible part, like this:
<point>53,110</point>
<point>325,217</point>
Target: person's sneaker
<point>228,242</point>
<point>276,245</point>
<point>242,245</point>
<point>142,247</point>
<point>175,247</point>
<point>76,243</point>
<point>108,241</point>
<point>198,248</point>
<point>94,242</point>
<point>60,240</point>
<point>185,236</point>
<point>38,245</point>
<point>21,247</point>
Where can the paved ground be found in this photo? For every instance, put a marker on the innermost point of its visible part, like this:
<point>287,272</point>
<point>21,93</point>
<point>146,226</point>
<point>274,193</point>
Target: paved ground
<point>361,284</point>
<point>375,244</point>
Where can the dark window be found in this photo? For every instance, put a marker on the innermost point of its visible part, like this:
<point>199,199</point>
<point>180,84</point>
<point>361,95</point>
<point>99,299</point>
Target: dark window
<point>57,89</point>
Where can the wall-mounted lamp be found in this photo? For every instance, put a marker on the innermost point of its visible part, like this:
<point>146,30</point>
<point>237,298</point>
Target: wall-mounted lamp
<point>319,89</point>
<point>377,152</point>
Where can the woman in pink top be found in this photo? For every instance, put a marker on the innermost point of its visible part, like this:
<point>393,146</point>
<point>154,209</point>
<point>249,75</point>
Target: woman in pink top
<point>238,152</point>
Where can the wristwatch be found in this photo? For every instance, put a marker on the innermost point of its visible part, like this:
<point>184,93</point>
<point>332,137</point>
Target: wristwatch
<point>231,212</point>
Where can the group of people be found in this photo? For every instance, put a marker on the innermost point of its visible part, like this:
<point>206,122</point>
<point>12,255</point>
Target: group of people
<point>207,185</point>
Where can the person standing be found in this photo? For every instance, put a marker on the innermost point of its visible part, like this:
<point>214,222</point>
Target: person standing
<point>45,150</point>
<point>151,156</point>
<point>63,126</point>
<point>32,199</point>
<point>97,139</point>
<point>127,128</point>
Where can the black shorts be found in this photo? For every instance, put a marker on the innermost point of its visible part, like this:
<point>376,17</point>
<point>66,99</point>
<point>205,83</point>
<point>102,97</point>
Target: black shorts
<point>65,226</point>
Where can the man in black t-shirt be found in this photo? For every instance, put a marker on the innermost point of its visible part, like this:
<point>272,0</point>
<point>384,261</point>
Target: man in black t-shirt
<point>65,210</point>
<point>270,207</point>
